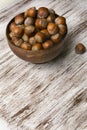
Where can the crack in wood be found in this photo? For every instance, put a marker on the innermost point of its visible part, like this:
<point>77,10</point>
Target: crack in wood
<point>21,111</point>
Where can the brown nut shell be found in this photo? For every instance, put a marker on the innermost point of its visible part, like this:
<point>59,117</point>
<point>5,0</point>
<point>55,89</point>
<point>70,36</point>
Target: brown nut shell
<point>12,26</point>
<point>41,23</point>
<point>36,47</point>
<point>25,37</point>
<point>15,39</point>
<point>22,26</point>
<point>31,12</point>
<point>40,37</point>
<point>18,42</point>
<point>19,19</point>
<point>80,48</point>
<point>25,46</point>
<point>63,29</point>
<point>60,20</point>
<point>46,33</point>
<point>29,30</point>
<point>11,34</point>
<point>51,18</point>
<point>56,38</point>
<point>32,40</point>
<point>29,21</point>
<point>18,32</point>
<point>52,11</point>
<point>43,12</point>
<point>52,28</point>
<point>47,44</point>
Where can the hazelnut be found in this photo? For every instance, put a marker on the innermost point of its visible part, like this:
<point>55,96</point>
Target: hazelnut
<point>25,38</point>
<point>51,18</point>
<point>11,34</point>
<point>51,11</point>
<point>25,46</point>
<point>15,39</point>
<point>47,44</point>
<point>18,32</point>
<point>31,12</point>
<point>12,26</point>
<point>43,12</point>
<point>18,42</point>
<point>52,28</point>
<point>19,19</point>
<point>46,33</point>
<point>36,47</point>
<point>37,29</point>
<point>40,37</point>
<point>41,23</point>
<point>29,21</point>
<point>29,30</point>
<point>56,38</point>
<point>60,20</point>
<point>21,26</point>
<point>80,48</point>
<point>32,40</point>
<point>63,29</point>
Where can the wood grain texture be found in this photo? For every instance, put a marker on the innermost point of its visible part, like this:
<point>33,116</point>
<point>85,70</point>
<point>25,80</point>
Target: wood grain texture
<point>50,96</point>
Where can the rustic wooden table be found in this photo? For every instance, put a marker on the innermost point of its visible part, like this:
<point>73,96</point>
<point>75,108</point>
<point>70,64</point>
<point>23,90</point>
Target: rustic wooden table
<point>50,96</point>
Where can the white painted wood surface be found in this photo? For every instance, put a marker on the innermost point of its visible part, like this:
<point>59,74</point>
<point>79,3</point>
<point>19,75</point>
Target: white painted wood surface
<point>3,125</point>
<point>50,96</point>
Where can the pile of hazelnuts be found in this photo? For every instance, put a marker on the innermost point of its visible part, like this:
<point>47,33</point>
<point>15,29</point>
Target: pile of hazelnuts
<point>37,29</point>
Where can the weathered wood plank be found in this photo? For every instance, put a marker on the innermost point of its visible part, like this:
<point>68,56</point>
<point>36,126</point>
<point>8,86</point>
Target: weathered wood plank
<point>50,96</point>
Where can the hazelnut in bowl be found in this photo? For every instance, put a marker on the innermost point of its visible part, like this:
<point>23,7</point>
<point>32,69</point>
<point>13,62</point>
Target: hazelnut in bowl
<point>37,35</point>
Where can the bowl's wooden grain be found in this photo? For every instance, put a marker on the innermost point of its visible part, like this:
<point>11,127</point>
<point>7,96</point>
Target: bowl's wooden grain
<point>40,56</point>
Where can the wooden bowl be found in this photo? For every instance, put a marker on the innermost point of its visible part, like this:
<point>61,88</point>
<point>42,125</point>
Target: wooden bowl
<point>40,56</point>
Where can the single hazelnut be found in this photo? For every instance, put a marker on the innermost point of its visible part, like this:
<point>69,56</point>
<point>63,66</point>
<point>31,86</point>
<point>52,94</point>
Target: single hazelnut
<point>32,40</point>
<point>52,28</point>
<point>51,18</point>
<point>63,29</point>
<point>21,26</point>
<point>15,39</point>
<point>46,33</point>
<point>18,42</point>
<point>11,34</point>
<point>47,44</point>
<point>52,11</point>
<point>29,30</point>
<point>36,47</point>
<point>19,19</point>
<point>25,37</point>
<point>80,48</point>
<point>12,26</point>
<point>31,12</point>
<point>43,12</point>
<point>25,46</point>
<point>29,21</point>
<point>56,37</point>
<point>60,20</point>
<point>41,23</point>
<point>18,32</point>
<point>40,37</point>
